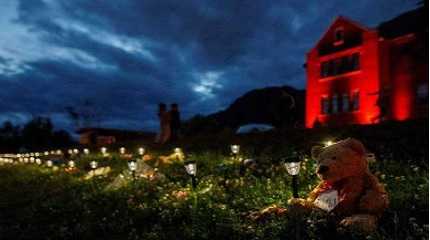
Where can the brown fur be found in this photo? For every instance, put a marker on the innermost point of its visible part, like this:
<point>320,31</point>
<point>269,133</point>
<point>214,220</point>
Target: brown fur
<point>363,198</point>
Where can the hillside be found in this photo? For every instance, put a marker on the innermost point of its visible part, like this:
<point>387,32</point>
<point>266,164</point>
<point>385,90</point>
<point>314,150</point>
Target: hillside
<point>278,106</point>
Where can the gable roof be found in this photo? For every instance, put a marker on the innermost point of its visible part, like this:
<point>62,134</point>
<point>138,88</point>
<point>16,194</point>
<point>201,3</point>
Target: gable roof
<point>342,19</point>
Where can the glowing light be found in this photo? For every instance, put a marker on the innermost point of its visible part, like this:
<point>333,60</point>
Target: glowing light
<point>191,168</point>
<point>38,161</point>
<point>141,151</point>
<point>235,149</point>
<point>293,168</point>
<point>122,150</point>
<point>86,151</point>
<point>76,151</point>
<point>177,150</point>
<point>132,166</point>
<point>93,164</point>
<point>103,150</point>
<point>49,163</point>
<point>71,164</point>
<point>328,143</point>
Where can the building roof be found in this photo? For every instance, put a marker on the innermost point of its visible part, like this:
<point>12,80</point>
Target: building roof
<point>409,22</point>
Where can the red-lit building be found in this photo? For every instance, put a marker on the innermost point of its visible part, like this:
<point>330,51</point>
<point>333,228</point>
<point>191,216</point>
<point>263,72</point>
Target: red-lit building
<point>361,75</point>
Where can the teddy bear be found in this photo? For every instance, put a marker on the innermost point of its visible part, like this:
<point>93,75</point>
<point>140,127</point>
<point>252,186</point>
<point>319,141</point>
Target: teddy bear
<point>347,190</point>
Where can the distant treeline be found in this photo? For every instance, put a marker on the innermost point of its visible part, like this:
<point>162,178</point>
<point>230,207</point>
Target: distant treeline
<point>36,135</point>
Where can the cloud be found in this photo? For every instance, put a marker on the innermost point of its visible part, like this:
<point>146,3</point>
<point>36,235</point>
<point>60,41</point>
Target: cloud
<point>127,56</point>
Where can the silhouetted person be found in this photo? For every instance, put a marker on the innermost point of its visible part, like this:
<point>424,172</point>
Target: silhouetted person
<point>164,117</point>
<point>383,103</point>
<point>175,122</point>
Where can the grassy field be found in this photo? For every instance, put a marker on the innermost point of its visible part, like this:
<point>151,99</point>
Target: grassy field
<point>39,203</point>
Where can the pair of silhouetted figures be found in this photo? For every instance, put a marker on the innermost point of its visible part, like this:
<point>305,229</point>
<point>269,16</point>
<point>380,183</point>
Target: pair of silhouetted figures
<point>170,123</point>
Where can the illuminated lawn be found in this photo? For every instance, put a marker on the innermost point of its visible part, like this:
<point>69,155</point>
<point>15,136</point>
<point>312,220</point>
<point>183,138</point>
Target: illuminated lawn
<point>36,202</point>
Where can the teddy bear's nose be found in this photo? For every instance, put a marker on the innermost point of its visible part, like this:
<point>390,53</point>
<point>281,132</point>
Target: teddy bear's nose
<point>322,169</point>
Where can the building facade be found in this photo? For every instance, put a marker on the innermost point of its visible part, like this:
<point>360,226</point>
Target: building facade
<point>360,75</point>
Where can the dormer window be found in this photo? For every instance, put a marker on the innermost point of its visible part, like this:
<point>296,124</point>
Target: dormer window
<point>338,36</point>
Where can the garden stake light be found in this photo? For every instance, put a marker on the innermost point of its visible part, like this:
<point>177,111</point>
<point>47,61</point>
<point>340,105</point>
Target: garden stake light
<point>75,151</point>
<point>132,167</point>
<point>71,164</point>
<point>93,165</point>
<point>235,149</point>
<point>86,151</point>
<point>122,150</point>
<point>141,151</point>
<point>49,163</point>
<point>178,152</point>
<point>103,150</point>
<point>293,168</point>
<point>191,168</point>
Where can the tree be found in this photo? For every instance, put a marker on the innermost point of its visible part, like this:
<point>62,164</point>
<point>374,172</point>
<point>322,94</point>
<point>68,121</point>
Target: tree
<point>86,114</point>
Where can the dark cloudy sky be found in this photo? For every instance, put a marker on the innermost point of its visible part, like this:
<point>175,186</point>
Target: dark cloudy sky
<point>125,56</point>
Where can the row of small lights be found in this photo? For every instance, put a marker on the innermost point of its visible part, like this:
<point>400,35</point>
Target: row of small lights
<point>293,168</point>
<point>34,157</point>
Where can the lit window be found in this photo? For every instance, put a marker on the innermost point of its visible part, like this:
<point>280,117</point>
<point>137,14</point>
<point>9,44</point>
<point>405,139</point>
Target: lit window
<point>334,103</point>
<point>345,103</point>
<point>355,101</point>
<point>324,105</point>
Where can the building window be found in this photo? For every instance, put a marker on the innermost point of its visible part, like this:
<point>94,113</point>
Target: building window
<point>324,105</point>
<point>345,103</point>
<point>338,36</point>
<point>324,69</point>
<point>355,101</point>
<point>341,65</point>
<point>334,106</point>
<point>355,61</point>
<point>423,94</point>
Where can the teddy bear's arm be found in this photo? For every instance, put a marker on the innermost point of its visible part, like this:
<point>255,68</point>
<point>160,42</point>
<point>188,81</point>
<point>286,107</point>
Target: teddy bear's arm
<point>349,196</point>
<point>314,194</point>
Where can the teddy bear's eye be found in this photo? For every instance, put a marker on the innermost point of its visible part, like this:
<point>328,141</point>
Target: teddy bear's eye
<point>333,158</point>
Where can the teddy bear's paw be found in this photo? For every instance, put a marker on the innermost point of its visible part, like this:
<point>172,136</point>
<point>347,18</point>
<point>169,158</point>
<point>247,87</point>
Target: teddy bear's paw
<point>359,223</point>
<point>299,202</point>
<point>266,212</point>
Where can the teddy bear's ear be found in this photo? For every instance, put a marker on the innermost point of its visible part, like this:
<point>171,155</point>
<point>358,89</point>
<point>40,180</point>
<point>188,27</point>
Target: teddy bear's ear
<point>316,151</point>
<point>355,145</point>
